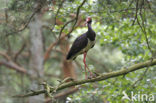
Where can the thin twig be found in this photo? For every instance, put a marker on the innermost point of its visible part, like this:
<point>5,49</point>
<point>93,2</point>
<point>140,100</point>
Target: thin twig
<point>27,23</point>
<point>99,63</point>
<point>74,19</point>
<point>144,32</point>
<point>52,45</point>
<point>64,27</point>
<point>48,51</point>
<point>147,42</point>
<point>136,12</point>
<point>58,10</point>
<point>140,78</point>
<point>19,51</point>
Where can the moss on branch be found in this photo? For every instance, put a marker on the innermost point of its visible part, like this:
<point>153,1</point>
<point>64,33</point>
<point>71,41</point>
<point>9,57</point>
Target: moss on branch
<point>101,77</point>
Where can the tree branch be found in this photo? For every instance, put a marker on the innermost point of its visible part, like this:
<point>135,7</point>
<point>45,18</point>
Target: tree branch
<point>140,78</point>
<point>10,64</point>
<point>19,51</point>
<point>74,19</point>
<point>5,56</point>
<point>46,56</point>
<point>136,13</point>
<point>38,8</point>
<point>50,48</point>
<point>101,77</point>
<point>145,34</point>
<point>52,45</point>
<point>58,10</point>
<point>14,66</point>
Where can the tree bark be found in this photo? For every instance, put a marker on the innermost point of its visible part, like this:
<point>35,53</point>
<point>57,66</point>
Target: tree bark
<point>68,69</point>
<point>36,56</point>
<point>67,66</point>
<point>101,77</point>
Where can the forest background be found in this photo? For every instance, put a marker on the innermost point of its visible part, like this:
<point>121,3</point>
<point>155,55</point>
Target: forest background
<point>35,36</point>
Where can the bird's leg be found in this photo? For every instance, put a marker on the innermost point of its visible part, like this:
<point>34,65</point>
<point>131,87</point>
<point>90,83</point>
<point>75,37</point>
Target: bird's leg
<point>89,71</point>
<point>84,60</point>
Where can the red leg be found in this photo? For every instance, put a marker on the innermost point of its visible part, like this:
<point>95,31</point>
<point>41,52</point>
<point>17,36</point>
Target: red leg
<point>89,71</point>
<point>84,61</point>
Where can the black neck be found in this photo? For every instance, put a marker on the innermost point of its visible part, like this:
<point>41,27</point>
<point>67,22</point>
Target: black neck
<point>89,26</point>
<point>90,32</point>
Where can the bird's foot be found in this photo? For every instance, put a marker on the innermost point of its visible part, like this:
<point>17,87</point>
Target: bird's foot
<point>88,77</point>
<point>92,75</point>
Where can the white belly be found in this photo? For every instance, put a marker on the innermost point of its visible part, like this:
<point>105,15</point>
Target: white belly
<point>90,44</point>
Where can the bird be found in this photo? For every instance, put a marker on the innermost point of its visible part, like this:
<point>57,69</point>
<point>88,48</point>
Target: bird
<point>83,44</point>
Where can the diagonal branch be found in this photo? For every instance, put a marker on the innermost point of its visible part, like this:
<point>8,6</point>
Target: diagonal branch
<point>19,51</point>
<point>136,13</point>
<point>140,78</point>
<point>12,65</point>
<point>58,10</point>
<point>52,45</point>
<point>145,33</point>
<point>101,77</point>
<point>7,57</point>
<point>46,56</point>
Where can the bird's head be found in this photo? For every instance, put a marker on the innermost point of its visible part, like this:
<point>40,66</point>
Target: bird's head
<point>88,20</point>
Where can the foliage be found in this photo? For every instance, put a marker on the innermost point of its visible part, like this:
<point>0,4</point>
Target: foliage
<point>120,43</point>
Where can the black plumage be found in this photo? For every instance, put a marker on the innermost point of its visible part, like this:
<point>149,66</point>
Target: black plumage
<point>78,45</point>
<point>81,42</point>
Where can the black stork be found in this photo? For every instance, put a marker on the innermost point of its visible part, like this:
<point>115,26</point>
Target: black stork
<point>82,44</point>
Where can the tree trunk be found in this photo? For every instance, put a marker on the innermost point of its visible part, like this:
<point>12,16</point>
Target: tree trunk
<point>36,59</point>
<point>67,66</point>
<point>68,69</point>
